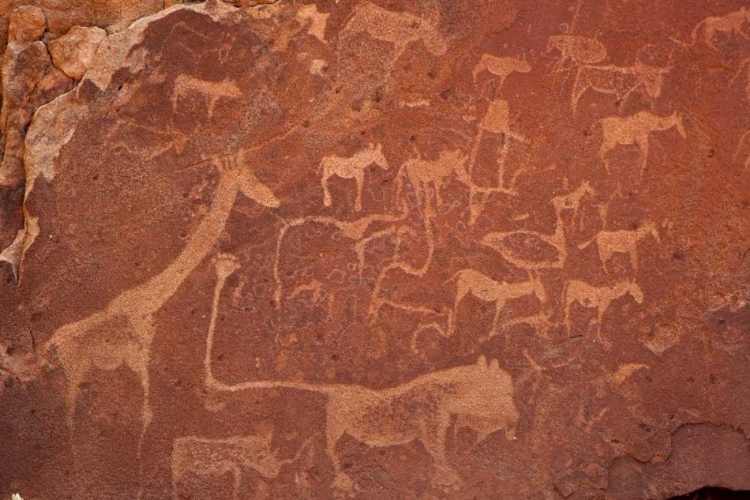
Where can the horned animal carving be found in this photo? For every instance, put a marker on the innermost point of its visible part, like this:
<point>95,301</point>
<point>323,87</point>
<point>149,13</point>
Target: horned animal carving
<point>619,81</point>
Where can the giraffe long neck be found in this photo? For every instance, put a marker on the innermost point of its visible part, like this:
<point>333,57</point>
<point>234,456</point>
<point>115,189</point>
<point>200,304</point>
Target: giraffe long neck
<point>151,295</point>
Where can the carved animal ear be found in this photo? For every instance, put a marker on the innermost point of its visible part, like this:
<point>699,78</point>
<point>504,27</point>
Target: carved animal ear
<point>482,361</point>
<point>494,365</point>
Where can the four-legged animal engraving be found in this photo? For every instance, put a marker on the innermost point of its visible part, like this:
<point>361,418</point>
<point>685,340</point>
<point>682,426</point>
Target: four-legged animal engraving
<point>579,49</point>
<point>354,230</point>
<point>572,200</point>
<point>619,81</point>
<point>352,167</point>
<point>398,28</point>
<point>597,297</point>
<point>487,289</point>
<point>501,67</point>
<point>211,91</point>
<point>480,395</point>
<point>624,241</point>
<point>635,129</point>
<point>729,24</point>
<point>425,174</point>
<point>206,457</point>
<point>121,333</point>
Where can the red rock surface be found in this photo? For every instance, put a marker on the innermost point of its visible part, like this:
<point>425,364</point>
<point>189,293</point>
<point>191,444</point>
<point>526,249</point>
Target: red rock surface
<point>387,249</point>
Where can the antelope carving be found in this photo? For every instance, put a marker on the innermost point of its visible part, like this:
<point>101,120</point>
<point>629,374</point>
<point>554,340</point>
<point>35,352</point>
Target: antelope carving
<point>635,129</point>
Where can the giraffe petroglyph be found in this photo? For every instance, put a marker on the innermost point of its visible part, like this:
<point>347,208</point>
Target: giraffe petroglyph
<point>635,129</point>
<point>597,297</point>
<point>623,241</point>
<point>352,167</point>
<point>122,332</point>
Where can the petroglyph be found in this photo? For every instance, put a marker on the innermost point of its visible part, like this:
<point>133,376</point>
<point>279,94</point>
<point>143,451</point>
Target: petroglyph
<point>572,201</point>
<point>487,289</point>
<point>121,334</point>
<point>619,81</point>
<point>352,167</point>
<point>503,242</point>
<point>398,28</point>
<point>597,297</point>
<point>479,395</point>
<point>496,120</point>
<point>353,230</point>
<point>578,49</point>
<point>501,67</point>
<point>207,457</point>
<point>729,24</point>
<point>623,241</point>
<point>212,92</point>
<point>635,129</point>
<point>437,199</point>
<point>427,177</point>
<point>317,21</point>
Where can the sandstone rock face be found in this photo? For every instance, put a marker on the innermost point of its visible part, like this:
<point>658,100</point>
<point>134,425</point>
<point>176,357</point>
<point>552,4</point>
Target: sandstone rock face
<point>375,249</point>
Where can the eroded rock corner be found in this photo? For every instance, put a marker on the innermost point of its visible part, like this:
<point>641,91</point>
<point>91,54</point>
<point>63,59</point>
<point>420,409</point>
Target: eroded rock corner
<point>374,249</point>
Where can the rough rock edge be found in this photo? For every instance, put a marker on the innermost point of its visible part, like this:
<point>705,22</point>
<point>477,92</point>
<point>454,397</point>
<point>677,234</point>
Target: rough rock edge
<point>53,124</point>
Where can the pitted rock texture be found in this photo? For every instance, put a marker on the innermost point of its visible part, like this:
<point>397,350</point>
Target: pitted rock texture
<point>375,249</point>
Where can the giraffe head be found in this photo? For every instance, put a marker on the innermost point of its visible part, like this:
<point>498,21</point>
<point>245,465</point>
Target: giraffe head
<point>634,290</point>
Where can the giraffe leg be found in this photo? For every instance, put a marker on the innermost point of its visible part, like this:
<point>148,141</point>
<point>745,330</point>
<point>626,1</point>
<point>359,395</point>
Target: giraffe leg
<point>643,145</point>
<point>360,178</point>
<point>326,191</point>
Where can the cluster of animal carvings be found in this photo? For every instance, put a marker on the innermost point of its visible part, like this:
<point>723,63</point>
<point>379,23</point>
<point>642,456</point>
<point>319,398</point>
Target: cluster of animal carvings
<point>477,396</point>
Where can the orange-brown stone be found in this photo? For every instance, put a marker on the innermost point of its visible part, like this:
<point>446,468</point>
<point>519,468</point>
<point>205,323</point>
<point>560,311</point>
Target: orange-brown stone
<point>374,249</point>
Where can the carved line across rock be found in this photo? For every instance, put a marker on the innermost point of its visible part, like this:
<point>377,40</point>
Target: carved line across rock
<point>91,342</point>
<point>481,395</point>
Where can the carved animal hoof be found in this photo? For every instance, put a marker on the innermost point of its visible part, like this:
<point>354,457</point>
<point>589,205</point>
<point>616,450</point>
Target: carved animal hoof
<point>446,478</point>
<point>343,483</point>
